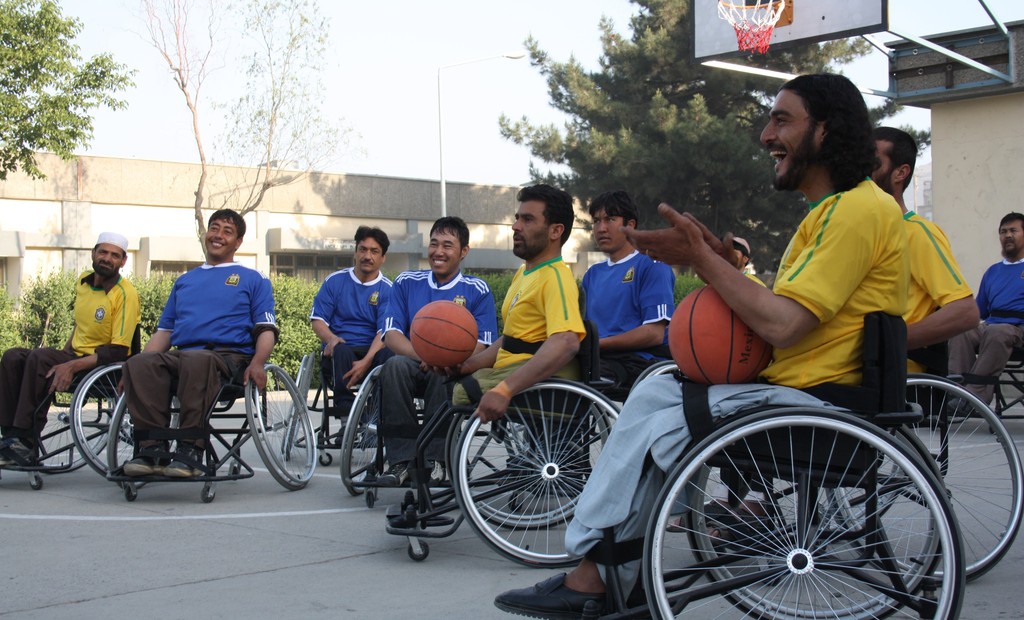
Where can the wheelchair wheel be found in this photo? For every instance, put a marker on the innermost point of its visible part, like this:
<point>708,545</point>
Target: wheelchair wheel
<point>659,368</point>
<point>281,429</point>
<point>92,407</point>
<point>834,538</point>
<point>120,437</point>
<point>57,450</point>
<point>517,480</point>
<point>359,441</point>
<point>979,465</point>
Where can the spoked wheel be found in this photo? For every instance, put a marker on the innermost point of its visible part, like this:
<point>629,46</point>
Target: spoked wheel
<point>518,479</point>
<point>57,450</point>
<point>747,527</point>
<point>359,441</point>
<point>92,408</point>
<point>120,436</point>
<point>281,429</point>
<point>979,464</point>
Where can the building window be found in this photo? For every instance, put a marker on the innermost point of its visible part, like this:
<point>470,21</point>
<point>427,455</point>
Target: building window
<point>172,267</point>
<point>310,267</point>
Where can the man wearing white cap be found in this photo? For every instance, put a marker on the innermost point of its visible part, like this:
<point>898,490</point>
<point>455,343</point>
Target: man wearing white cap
<point>106,317</point>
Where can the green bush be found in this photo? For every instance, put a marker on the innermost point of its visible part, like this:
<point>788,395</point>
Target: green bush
<point>685,283</point>
<point>47,310</point>
<point>293,298</point>
<point>45,315</point>
<point>153,293</point>
<point>10,334</point>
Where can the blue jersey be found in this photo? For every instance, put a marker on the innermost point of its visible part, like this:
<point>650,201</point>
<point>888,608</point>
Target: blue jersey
<point>218,306</point>
<point>415,289</point>
<point>1002,288</point>
<point>351,309</point>
<point>629,293</point>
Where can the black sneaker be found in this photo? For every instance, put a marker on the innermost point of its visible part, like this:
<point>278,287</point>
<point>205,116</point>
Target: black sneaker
<point>143,466</point>
<point>186,462</point>
<point>17,451</point>
<point>396,476</point>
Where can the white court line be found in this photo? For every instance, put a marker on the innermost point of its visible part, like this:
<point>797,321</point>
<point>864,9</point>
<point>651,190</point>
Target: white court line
<point>240,515</point>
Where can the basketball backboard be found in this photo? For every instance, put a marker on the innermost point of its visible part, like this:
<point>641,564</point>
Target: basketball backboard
<point>809,21</point>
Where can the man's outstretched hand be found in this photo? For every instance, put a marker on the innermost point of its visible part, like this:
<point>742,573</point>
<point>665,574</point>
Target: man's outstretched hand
<point>687,241</point>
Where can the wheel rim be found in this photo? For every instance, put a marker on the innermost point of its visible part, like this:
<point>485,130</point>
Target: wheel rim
<point>518,480</point>
<point>979,464</point>
<point>792,563</point>
<point>281,429</point>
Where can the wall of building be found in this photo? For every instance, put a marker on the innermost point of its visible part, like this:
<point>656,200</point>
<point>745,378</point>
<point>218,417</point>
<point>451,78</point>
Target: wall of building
<point>52,223</point>
<point>978,145</point>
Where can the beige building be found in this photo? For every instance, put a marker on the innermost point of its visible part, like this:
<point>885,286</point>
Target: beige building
<point>304,228</point>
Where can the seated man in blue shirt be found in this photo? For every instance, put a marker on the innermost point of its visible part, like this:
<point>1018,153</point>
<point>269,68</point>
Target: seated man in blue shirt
<point>220,320</point>
<point>348,314</point>
<point>629,296</point>
<point>984,350</point>
<point>404,377</point>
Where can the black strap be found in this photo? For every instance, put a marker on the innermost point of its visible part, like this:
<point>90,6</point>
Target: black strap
<point>695,407</point>
<point>1006,314</point>
<point>616,553</point>
<point>517,346</point>
<point>472,387</point>
<point>934,357</point>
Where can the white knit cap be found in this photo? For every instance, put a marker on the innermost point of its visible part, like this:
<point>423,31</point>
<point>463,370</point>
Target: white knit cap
<point>113,238</point>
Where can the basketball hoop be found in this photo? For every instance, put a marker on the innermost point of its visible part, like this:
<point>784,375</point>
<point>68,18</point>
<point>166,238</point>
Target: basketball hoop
<point>753,20</point>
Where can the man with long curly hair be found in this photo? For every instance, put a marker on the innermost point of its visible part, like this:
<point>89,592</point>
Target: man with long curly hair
<point>846,260</point>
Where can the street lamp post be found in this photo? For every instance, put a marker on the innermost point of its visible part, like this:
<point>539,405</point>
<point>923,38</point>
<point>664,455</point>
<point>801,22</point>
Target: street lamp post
<point>440,117</point>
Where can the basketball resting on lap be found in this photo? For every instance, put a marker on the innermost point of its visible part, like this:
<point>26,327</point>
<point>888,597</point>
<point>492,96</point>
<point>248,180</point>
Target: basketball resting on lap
<point>443,334</point>
<point>711,345</point>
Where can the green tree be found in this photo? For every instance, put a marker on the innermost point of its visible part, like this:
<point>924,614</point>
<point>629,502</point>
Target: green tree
<point>666,129</point>
<point>46,89</point>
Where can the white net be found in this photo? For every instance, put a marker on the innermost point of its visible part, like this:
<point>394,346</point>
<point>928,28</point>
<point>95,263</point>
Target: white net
<point>753,21</point>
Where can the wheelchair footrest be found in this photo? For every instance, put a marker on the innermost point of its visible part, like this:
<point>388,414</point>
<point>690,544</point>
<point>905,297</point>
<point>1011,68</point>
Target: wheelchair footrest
<point>399,519</point>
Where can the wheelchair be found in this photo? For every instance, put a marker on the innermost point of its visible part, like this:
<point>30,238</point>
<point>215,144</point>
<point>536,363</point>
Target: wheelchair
<point>803,512</point>
<point>1009,385</point>
<point>974,456</point>
<point>275,420</point>
<point>75,433</point>
<point>323,403</point>
<point>516,479</point>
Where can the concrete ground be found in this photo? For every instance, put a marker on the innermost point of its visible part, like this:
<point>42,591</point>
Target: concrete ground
<point>77,549</point>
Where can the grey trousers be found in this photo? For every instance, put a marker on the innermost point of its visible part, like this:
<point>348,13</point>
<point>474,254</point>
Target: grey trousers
<point>984,351</point>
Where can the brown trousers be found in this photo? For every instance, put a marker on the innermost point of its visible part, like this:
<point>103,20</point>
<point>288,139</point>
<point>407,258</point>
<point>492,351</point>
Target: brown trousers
<point>25,390</point>
<point>195,375</point>
<point>993,344</point>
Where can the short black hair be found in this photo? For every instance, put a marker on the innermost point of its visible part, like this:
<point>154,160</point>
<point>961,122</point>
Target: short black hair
<point>230,215</point>
<point>452,225</point>
<point>557,206</point>
<point>1012,216</point>
<point>903,150</point>
<point>847,150</point>
<point>376,234</point>
<point>615,203</point>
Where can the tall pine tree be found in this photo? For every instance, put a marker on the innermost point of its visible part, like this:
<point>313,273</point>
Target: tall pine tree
<point>666,129</point>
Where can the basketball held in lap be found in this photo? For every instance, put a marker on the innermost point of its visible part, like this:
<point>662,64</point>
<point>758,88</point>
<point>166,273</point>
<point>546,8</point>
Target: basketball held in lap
<point>711,345</point>
<point>443,333</point>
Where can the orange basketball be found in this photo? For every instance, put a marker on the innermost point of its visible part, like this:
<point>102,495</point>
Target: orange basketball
<point>443,333</point>
<point>711,345</point>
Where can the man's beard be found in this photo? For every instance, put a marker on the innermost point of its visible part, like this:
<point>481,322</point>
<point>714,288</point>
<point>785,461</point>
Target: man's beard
<point>103,271</point>
<point>799,161</point>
